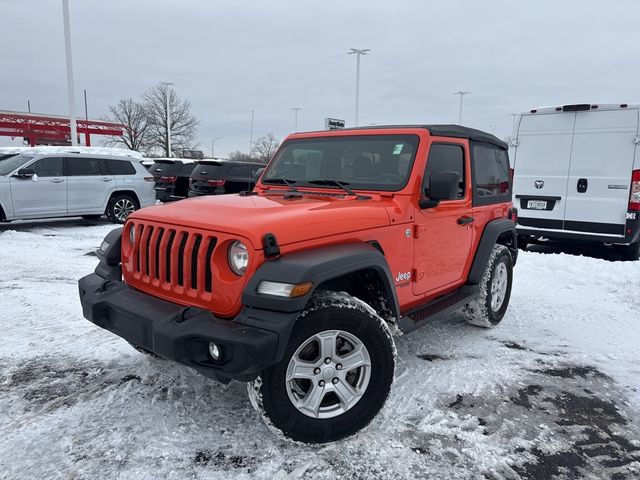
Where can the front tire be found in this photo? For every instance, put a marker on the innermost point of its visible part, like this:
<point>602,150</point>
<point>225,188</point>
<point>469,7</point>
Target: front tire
<point>335,375</point>
<point>490,306</point>
<point>120,206</point>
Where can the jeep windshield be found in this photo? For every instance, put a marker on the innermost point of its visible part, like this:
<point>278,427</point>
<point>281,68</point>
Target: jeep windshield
<point>365,162</point>
<point>9,163</point>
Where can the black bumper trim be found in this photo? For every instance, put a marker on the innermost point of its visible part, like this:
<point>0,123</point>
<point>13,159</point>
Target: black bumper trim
<point>183,333</point>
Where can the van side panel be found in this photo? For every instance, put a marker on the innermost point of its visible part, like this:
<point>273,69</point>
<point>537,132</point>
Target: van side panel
<point>541,162</point>
<point>600,172</point>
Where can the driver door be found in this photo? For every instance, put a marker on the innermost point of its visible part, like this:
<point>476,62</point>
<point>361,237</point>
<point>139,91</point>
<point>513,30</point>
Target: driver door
<point>42,195</point>
<point>443,234</point>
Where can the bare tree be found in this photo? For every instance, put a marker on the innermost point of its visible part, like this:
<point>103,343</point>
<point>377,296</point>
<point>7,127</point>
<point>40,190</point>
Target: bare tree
<point>265,147</point>
<point>133,117</point>
<point>183,123</point>
<point>239,156</point>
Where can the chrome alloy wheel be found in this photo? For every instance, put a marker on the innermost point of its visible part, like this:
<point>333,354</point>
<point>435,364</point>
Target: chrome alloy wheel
<point>499,286</point>
<point>123,208</point>
<point>328,374</point>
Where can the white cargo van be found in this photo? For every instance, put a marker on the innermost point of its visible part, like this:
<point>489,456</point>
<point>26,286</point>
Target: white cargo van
<point>576,175</point>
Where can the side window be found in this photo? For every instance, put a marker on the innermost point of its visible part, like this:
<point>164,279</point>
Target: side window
<point>445,158</point>
<point>84,167</point>
<point>187,168</point>
<point>120,167</point>
<point>490,174</point>
<point>48,167</point>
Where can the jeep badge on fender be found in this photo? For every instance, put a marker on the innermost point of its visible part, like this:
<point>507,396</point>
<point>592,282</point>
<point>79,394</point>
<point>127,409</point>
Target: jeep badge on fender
<point>290,287</point>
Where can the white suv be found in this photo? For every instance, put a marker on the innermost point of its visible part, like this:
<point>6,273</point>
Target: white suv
<point>70,184</point>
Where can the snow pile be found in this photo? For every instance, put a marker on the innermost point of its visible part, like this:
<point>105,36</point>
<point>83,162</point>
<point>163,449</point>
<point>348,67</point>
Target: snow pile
<point>552,389</point>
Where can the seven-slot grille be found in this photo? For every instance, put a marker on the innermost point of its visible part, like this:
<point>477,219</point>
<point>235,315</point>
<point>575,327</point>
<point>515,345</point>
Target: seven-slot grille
<point>172,257</point>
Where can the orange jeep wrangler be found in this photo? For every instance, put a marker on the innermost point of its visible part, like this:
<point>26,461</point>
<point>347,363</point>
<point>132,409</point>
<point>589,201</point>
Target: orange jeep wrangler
<point>298,286</point>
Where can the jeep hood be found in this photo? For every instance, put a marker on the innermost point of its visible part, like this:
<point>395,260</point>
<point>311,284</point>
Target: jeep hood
<point>290,220</point>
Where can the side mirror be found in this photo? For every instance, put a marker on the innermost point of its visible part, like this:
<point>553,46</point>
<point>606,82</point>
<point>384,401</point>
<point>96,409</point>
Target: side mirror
<point>442,186</point>
<point>25,173</point>
<point>255,175</point>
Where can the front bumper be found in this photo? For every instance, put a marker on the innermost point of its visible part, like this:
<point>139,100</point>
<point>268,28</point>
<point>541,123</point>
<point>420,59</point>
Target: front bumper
<point>179,333</point>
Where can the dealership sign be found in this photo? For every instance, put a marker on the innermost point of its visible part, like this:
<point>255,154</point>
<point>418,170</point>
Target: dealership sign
<point>333,124</point>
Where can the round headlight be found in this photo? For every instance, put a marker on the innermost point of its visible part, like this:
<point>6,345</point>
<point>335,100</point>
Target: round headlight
<point>238,257</point>
<point>132,234</point>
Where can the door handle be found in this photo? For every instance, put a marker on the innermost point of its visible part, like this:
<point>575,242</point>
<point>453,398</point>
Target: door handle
<point>57,180</point>
<point>465,220</point>
<point>106,179</point>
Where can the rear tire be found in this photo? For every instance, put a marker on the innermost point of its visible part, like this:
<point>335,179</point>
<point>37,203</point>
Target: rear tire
<point>631,252</point>
<point>310,396</point>
<point>490,306</point>
<point>120,206</point>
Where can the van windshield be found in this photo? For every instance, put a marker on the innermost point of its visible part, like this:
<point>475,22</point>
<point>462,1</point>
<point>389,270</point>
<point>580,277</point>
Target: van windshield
<point>9,164</point>
<point>367,162</point>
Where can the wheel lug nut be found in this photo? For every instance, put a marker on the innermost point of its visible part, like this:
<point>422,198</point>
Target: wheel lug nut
<point>335,381</point>
<point>339,366</point>
<point>316,371</point>
<point>327,360</point>
<point>321,383</point>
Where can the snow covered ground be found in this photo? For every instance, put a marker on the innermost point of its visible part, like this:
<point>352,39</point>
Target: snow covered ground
<point>553,390</point>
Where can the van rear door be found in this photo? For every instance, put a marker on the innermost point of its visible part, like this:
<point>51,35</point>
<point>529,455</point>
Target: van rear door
<point>600,171</point>
<point>541,162</point>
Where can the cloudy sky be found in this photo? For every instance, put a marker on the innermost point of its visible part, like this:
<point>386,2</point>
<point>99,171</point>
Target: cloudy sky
<point>228,57</point>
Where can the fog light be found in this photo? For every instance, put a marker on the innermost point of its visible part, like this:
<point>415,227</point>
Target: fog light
<point>214,351</point>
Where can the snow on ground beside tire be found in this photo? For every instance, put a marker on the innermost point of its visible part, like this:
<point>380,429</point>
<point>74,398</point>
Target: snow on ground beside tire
<point>552,389</point>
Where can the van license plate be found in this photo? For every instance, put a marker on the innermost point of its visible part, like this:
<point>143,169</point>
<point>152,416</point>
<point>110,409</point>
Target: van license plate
<point>537,204</point>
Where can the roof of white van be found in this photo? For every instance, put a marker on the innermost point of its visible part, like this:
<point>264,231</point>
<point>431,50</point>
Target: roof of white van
<point>573,107</point>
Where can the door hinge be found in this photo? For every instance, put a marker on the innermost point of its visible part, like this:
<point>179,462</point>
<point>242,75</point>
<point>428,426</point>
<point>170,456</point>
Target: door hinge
<point>417,274</point>
<point>419,230</point>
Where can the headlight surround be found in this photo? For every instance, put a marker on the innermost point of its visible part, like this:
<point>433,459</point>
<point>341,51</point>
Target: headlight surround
<point>238,257</point>
<point>132,234</point>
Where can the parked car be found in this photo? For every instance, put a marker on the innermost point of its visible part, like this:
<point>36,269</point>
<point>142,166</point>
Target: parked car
<point>577,175</point>
<point>69,185</point>
<point>217,177</point>
<point>171,177</point>
<point>297,286</point>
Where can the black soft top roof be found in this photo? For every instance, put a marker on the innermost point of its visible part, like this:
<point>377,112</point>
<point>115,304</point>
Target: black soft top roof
<point>456,131</point>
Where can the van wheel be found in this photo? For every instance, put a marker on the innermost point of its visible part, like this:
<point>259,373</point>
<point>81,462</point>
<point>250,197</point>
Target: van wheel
<point>120,206</point>
<point>490,306</point>
<point>335,375</point>
<point>631,252</point>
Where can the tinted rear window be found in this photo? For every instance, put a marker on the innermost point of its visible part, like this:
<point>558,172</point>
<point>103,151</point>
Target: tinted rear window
<point>187,168</point>
<point>491,174</point>
<point>165,167</point>
<point>120,167</point>
<point>209,169</point>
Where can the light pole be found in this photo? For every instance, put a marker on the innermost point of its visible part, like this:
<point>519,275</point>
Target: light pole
<point>70,90</point>
<point>167,92</point>
<point>295,117</point>
<point>251,133</point>
<point>358,52</point>
<point>462,94</point>
<point>212,141</point>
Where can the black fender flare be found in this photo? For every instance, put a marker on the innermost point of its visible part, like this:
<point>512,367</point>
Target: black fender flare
<point>317,265</point>
<point>490,235</point>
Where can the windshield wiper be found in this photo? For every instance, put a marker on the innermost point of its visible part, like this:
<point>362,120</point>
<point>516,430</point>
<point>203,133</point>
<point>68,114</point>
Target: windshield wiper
<point>342,185</point>
<point>282,181</point>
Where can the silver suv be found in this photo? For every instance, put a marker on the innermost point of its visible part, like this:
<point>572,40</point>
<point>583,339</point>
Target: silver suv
<point>71,185</point>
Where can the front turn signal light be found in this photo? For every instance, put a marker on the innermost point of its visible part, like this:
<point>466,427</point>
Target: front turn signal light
<point>287,290</point>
